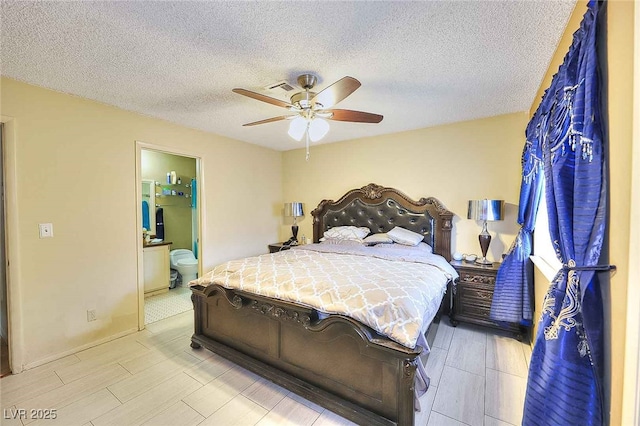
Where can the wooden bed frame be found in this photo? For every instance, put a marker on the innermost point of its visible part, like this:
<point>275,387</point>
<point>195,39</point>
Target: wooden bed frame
<point>336,362</point>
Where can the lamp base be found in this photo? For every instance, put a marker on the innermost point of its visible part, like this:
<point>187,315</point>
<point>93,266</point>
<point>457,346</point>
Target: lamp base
<point>485,240</point>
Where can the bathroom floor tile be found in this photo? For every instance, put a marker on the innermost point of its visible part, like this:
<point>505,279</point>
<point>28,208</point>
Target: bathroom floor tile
<point>175,301</point>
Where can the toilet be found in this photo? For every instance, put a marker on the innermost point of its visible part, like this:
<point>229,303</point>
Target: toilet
<point>183,261</point>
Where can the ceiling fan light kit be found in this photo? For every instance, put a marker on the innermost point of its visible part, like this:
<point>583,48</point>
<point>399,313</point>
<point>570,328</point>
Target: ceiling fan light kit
<point>312,108</point>
<point>318,129</point>
<point>297,128</point>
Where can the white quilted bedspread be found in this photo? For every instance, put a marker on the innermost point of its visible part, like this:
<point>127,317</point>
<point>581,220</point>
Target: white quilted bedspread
<point>397,297</point>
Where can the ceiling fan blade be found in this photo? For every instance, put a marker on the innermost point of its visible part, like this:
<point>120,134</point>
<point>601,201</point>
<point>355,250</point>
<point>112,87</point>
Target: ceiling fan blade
<point>263,98</point>
<point>336,92</point>
<point>355,116</point>
<point>269,120</point>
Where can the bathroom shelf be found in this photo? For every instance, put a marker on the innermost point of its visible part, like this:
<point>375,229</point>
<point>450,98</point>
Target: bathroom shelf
<point>185,188</point>
<point>186,185</point>
<point>173,195</point>
<point>173,205</point>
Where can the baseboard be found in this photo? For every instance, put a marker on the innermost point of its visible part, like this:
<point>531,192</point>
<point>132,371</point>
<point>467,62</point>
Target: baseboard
<point>78,349</point>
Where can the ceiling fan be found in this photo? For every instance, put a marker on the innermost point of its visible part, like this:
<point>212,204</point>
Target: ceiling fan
<point>310,109</point>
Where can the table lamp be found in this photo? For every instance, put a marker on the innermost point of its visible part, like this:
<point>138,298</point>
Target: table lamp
<point>294,210</point>
<point>485,210</point>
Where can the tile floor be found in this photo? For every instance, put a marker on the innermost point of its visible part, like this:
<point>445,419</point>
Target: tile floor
<point>165,305</point>
<point>153,377</point>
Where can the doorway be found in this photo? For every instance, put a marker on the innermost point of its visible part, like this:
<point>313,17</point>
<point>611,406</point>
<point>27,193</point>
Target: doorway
<point>169,219</point>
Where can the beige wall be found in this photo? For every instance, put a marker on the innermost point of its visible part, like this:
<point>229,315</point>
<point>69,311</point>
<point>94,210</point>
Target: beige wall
<point>454,163</point>
<point>620,63</point>
<point>176,210</point>
<point>620,23</point>
<point>75,167</point>
<point>631,385</point>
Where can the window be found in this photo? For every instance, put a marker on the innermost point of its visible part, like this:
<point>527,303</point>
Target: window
<point>544,255</point>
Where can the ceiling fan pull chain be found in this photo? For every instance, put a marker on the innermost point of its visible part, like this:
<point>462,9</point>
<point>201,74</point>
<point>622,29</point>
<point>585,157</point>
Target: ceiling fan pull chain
<point>307,140</point>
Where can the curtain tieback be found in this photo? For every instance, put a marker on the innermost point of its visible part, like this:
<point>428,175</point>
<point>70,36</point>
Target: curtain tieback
<point>589,268</point>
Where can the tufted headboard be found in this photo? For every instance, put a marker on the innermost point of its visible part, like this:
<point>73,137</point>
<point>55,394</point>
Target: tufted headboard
<point>380,209</point>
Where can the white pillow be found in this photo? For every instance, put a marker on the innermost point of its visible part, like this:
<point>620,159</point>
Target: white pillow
<point>339,241</point>
<point>374,239</point>
<point>347,233</point>
<point>422,247</point>
<point>404,236</point>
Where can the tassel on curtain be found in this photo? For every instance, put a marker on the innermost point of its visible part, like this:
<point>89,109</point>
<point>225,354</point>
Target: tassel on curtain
<point>565,138</point>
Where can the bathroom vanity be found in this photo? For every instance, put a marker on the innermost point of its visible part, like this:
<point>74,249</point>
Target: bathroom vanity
<point>156,268</point>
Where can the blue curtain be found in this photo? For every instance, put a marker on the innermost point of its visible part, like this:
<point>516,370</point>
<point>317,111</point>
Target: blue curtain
<point>145,215</point>
<point>194,216</point>
<point>565,375</point>
<point>512,296</point>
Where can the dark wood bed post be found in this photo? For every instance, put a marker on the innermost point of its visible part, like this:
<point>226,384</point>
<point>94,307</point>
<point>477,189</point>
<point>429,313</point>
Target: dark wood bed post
<point>443,242</point>
<point>197,318</point>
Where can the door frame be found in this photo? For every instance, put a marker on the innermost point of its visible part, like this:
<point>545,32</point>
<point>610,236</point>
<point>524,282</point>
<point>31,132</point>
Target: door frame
<point>631,384</point>
<point>140,145</point>
<point>15,339</point>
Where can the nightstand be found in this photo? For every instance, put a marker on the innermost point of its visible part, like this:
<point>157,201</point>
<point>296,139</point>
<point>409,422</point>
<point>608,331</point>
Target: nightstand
<point>473,294</point>
<point>276,247</point>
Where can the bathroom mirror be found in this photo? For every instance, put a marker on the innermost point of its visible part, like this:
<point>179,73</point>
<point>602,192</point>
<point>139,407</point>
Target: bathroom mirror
<point>149,205</point>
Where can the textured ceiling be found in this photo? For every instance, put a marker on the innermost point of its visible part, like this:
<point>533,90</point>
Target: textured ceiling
<point>420,63</point>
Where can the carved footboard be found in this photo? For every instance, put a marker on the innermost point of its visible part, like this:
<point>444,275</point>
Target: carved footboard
<point>337,362</point>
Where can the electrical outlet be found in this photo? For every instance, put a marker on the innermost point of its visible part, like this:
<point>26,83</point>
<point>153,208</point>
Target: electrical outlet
<point>46,230</point>
<point>91,315</point>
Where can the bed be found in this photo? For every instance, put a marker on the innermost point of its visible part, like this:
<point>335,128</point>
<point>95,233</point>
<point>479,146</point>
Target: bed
<point>330,359</point>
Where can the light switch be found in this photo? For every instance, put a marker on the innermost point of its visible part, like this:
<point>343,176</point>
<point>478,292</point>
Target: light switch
<point>46,230</point>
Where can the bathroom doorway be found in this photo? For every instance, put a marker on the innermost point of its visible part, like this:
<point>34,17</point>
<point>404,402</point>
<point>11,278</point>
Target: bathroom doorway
<point>169,219</point>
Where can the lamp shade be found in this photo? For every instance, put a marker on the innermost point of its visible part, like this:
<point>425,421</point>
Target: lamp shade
<point>293,209</point>
<point>487,210</point>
